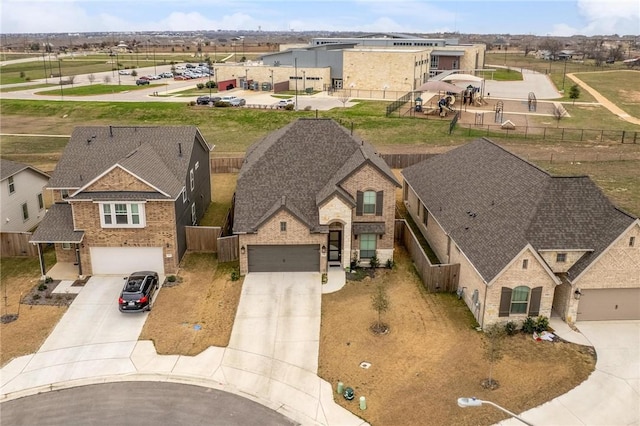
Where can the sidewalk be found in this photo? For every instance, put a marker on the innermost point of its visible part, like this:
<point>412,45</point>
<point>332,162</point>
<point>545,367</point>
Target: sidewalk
<point>276,374</point>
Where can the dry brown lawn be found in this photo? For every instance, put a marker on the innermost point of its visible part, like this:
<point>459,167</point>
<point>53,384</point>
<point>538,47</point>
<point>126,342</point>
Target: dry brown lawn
<point>205,297</point>
<point>26,334</point>
<point>432,355</point>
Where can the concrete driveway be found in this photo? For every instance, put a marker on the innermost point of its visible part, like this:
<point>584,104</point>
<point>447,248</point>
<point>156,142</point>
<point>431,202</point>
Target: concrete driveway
<point>93,338</point>
<point>611,395</point>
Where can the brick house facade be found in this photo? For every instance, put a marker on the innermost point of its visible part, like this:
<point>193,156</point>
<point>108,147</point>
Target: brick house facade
<point>123,196</point>
<point>311,197</point>
<point>528,243</point>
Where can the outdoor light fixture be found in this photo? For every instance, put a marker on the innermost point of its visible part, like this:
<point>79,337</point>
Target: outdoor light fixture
<point>577,294</point>
<point>324,249</point>
<point>473,402</point>
<point>242,250</point>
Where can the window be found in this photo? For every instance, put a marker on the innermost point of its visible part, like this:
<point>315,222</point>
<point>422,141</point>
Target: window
<point>64,193</point>
<point>632,241</point>
<point>435,61</point>
<point>191,179</point>
<point>25,211</point>
<point>197,165</point>
<point>184,195</point>
<point>40,201</point>
<point>66,246</point>
<point>122,215</point>
<point>425,216</point>
<point>525,263</point>
<point>369,202</point>
<point>367,246</point>
<point>194,218</point>
<point>561,257</point>
<point>283,226</point>
<point>519,300</point>
<point>12,185</point>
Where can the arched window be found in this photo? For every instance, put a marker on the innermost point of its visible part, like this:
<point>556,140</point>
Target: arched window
<point>519,300</point>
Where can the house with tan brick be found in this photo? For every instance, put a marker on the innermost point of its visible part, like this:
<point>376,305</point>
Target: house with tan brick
<point>123,196</point>
<point>310,197</point>
<point>528,243</point>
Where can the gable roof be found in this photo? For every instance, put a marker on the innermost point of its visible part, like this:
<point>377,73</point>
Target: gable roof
<point>10,168</point>
<point>297,167</point>
<point>158,155</point>
<point>493,203</point>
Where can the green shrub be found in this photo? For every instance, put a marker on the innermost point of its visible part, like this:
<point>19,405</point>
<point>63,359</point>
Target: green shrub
<point>511,328</point>
<point>210,85</point>
<point>289,107</point>
<point>35,297</point>
<point>235,275</point>
<point>48,279</point>
<point>200,86</point>
<point>42,287</point>
<point>390,264</point>
<point>374,262</point>
<point>542,324</point>
<point>171,278</point>
<point>529,325</point>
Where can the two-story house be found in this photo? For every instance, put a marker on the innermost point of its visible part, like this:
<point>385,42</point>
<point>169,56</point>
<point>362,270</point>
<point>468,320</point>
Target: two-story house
<point>22,206</point>
<point>123,196</point>
<point>310,196</point>
<point>527,242</point>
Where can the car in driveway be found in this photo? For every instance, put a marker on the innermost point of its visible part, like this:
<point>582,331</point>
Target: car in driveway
<point>138,291</point>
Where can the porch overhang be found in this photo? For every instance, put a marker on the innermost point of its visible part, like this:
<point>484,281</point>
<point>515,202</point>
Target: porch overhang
<point>57,227</point>
<point>377,228</point>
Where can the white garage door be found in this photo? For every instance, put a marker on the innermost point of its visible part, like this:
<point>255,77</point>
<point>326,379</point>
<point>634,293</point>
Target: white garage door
<point>125,260</point>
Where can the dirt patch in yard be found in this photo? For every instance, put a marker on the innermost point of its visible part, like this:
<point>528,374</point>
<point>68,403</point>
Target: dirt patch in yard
<point>33,323</point>
<point>432,355</point>
<point>198,311</point>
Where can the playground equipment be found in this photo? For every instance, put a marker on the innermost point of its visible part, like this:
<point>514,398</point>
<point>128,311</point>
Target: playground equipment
<point>446,104</point>
<point>499,110</point>
<point>532,102</point>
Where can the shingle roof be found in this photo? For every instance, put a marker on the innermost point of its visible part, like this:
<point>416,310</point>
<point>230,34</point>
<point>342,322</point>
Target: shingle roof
<point>57,226</point>
<point>9,168</point>
<point>493,203</point>
<point>297,167</point>
<point>159,155</point>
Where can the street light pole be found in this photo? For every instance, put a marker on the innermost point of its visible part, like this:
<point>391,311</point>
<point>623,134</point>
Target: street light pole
<point>473,402</point>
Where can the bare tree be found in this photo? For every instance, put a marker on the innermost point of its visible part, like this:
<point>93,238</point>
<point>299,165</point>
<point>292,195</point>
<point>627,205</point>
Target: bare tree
<point>91,78</point>
<point>107,79</point>
<point>380,304</point>
<point>344,98</point>
<point>553,46</point>
<point>493,344</point>
<point>71,79</point>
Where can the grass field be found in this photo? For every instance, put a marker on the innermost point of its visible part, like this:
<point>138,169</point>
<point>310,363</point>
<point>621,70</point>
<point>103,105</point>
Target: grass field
<point>233,130</point>
<point>94,89</point>
<point>621,87</point>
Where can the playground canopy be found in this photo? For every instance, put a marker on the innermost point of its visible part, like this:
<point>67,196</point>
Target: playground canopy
<point>439,86</point>
<point>462,77</point>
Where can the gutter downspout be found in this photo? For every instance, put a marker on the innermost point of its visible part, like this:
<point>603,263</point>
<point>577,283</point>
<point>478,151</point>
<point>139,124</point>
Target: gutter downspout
<point>484,304</point>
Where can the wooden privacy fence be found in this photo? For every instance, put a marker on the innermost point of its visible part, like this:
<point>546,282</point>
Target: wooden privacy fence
<point>203,238</point>
<point>16,244</point>
<point>435,278</point>
<point>226,164</point>
<point>228,248</point>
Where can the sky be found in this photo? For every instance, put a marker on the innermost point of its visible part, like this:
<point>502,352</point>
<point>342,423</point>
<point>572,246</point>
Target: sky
<point>534,17</point>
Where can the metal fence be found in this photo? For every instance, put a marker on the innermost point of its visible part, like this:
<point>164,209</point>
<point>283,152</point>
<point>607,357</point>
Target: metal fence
<point>554,133</point>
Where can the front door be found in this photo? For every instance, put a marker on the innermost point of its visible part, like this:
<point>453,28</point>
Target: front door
<point>335,246</point>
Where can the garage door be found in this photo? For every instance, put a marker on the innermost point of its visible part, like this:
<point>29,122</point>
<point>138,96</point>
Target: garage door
<point>609,304</point>
<point>125,260</point>
<point>294,258</point>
